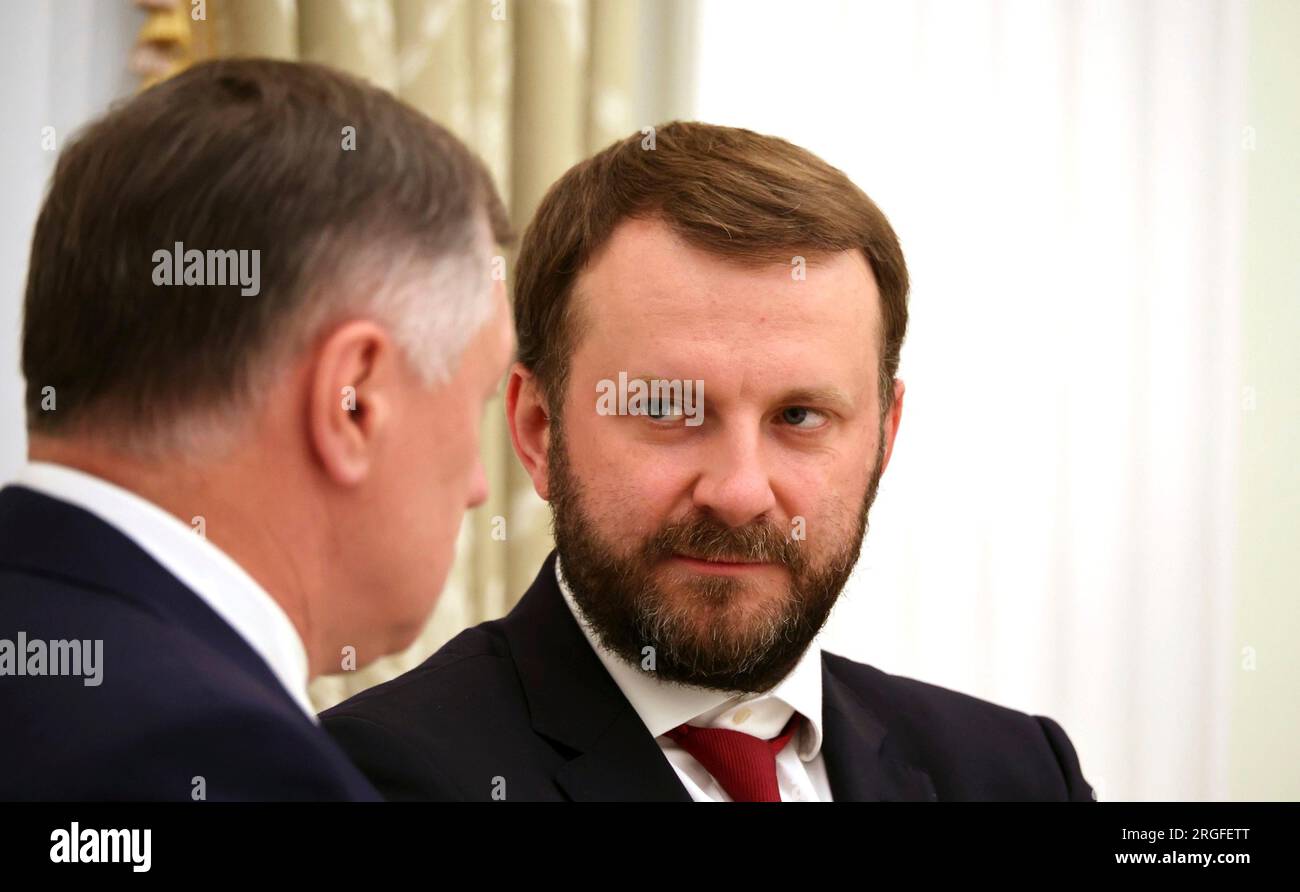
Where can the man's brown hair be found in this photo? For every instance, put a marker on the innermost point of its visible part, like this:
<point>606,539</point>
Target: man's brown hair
<point>734,193</point>
<point>319,171</point>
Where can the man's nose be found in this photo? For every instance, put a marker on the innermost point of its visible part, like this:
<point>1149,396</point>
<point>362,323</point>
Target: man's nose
<point>735,486</point>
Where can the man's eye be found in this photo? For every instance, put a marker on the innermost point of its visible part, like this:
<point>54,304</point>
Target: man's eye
<point>802,417</point>
<point>665,410</point>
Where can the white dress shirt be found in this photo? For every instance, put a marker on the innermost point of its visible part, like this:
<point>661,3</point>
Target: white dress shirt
<point>662,706</point>
<point>203,567</point>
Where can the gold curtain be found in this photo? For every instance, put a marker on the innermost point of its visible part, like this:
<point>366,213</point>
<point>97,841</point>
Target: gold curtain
<point>533,86</point>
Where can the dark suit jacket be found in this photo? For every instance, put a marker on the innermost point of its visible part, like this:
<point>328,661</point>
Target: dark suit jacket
<point>524,699</point>
<point>182,695</point>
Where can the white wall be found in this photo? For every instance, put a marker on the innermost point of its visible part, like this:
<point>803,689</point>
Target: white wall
<point>1266,661</point>
<point>61,63</point>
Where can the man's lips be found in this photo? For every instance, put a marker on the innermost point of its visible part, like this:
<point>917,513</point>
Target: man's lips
<point>725,567</point>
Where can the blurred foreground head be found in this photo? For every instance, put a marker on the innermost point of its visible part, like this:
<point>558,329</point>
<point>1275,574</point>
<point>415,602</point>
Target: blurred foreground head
<point>262,292</point>
<point>709,323</point>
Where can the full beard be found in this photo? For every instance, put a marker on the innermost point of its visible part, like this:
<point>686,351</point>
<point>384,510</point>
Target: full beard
<point>714,631</point>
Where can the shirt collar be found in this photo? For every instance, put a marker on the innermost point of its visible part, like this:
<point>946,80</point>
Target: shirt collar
<point>193,559</point>
<point>663,706</point>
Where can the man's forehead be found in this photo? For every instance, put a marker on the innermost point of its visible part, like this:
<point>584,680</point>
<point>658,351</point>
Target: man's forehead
<point>777,353</point>
<point>638,294</point>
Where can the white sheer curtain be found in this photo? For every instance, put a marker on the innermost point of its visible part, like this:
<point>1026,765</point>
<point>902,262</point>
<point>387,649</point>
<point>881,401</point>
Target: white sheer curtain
<point>1054,532</point>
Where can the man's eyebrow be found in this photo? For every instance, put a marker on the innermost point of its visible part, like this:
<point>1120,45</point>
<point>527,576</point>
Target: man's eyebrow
<point>825,396</point>
<point>648,378</point>
<point>822,396</point>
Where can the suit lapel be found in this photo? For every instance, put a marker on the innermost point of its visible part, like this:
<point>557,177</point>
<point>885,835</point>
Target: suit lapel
<point>862,759</point>
<point>575,704</point>
<point>624,764</point>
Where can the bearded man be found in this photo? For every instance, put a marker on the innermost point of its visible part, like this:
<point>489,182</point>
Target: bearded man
<point>668,649</point>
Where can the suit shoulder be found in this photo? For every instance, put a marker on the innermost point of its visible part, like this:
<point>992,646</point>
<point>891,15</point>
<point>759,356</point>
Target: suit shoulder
<point>899,695</point>
<point>159,727</point>
<point>476,661</point>
<point>422,734</point>
<point>977,748</point>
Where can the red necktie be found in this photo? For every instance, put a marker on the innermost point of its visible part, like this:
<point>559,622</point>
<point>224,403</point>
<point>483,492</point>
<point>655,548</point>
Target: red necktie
<point>744,765</point>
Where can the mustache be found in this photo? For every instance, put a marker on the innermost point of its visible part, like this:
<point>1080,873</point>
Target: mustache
<point>709,539</point>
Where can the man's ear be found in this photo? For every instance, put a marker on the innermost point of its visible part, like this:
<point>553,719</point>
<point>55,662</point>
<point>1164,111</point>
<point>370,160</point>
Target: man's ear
<point>351,397</point>
<point>892,422</point>
<point>530,425</point>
